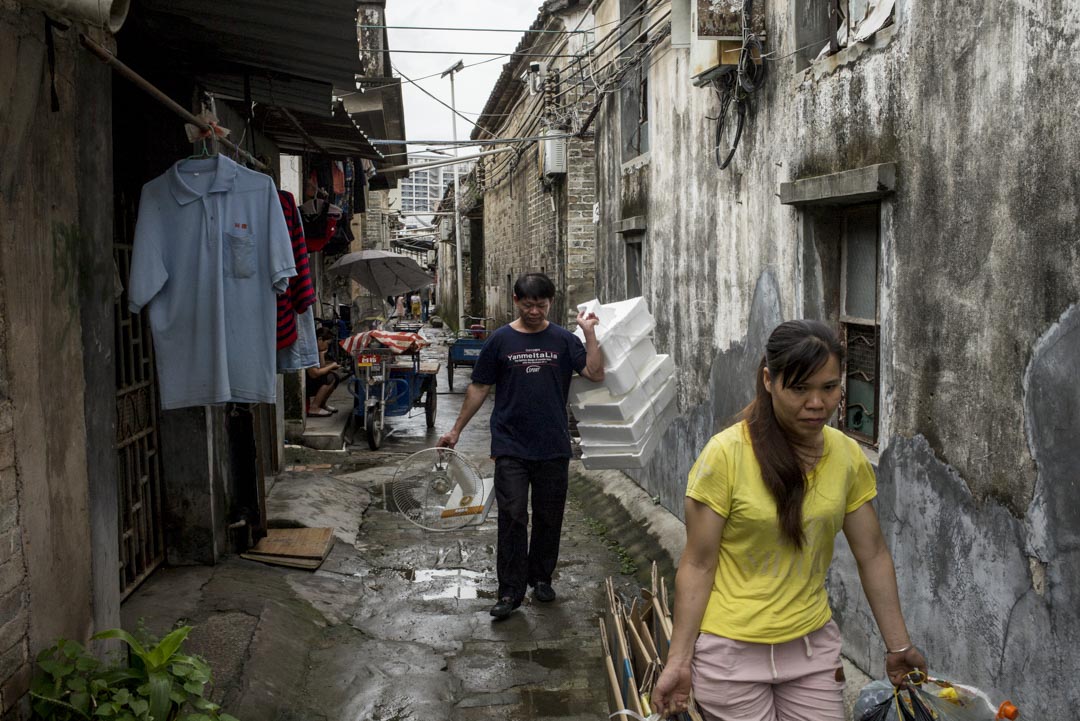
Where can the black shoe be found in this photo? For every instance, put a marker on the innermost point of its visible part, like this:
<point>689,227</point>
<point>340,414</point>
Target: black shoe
<point>543,592</point>
<point>504,607</point>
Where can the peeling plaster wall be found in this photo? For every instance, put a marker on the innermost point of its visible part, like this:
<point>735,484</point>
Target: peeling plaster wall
<point>978,262</point>
<point>59,548</point>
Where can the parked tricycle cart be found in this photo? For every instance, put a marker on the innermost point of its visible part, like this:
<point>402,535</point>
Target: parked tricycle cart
<point>465,347</point>
<point>386,385</point>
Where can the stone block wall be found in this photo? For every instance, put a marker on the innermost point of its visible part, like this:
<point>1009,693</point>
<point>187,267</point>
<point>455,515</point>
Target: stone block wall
<point>580,243</point>
<point>537,225</point>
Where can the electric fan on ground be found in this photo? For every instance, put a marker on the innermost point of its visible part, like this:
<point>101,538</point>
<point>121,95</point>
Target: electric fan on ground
<point>438,489</point>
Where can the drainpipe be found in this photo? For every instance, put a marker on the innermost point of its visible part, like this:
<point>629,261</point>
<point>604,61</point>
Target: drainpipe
<point>108,14</point>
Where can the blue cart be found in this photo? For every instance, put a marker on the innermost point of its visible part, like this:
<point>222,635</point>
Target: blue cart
<point>387,385</point>
<point>465,347</point>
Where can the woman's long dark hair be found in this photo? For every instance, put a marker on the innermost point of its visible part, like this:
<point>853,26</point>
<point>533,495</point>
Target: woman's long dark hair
<point>795,351</point>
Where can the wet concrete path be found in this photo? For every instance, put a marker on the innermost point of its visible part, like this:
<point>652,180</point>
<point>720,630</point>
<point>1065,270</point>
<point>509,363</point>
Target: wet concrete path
<point>394,626</point>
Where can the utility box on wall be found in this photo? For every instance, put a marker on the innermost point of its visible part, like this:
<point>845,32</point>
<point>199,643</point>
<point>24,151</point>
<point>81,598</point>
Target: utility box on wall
<point>553,153</point>
<point>716,36</point>
<point>722,19</point>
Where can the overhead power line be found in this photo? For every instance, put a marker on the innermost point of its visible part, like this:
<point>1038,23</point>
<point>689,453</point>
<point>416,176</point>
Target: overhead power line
<point>477,52</point>
<point>476,30</point>
<point>494,141</point>
<point>438,100</point>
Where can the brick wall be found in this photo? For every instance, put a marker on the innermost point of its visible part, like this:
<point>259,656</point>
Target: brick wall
<point>580,231</point>
<point>520,235</point>
<point>537,224</point>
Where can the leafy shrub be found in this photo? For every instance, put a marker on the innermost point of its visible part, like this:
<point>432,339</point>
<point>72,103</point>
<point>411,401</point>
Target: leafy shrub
<point>159,683</point>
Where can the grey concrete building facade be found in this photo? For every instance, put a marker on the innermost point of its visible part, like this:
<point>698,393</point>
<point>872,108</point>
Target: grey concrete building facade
<point>916,191</point>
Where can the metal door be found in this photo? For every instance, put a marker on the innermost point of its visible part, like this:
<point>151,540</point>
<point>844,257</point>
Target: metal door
<point>138,446</point>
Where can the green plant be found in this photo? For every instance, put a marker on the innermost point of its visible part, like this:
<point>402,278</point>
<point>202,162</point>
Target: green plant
<point>158,684</point>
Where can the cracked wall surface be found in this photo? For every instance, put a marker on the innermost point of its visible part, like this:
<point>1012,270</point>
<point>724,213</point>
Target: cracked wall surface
<point>978,253</point>
<point>986,593</point>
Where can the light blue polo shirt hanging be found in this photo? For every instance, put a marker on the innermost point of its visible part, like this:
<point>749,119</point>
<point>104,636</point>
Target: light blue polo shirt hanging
<point>211,252</point>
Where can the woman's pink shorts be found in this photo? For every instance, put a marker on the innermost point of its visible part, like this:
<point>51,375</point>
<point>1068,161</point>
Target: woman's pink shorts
<point>801,680</point>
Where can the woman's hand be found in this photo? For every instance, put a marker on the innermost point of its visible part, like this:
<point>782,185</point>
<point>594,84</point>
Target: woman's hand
<point>671,695</point>
<point>899,665</point>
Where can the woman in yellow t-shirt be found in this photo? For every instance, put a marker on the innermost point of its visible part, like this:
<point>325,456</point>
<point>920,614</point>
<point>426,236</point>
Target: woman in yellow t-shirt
<point>754,635</point>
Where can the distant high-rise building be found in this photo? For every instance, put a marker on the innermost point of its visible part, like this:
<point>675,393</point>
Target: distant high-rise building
<point>423,189</point>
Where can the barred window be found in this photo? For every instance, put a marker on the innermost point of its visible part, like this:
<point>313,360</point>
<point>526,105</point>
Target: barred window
<point>859,325</point>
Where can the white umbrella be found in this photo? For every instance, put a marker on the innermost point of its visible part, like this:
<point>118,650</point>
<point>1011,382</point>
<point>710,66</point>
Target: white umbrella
<point>382,273</point>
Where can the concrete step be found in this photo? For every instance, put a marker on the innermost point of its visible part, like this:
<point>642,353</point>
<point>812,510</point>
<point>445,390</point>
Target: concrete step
<point>327,433</point>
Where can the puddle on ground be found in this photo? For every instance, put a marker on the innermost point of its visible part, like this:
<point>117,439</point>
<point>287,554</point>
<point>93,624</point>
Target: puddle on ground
<point>459,583</point>
<point>546,657</point>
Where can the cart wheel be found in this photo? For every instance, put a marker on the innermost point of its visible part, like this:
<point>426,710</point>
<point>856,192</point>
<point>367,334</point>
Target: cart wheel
<point>373,428</point>
<point>431,403</point>
<point>450,371</point>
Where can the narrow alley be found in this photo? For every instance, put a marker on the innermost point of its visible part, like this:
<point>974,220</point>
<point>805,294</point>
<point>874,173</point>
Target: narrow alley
<point>744,265</point>
<point>394,626</point>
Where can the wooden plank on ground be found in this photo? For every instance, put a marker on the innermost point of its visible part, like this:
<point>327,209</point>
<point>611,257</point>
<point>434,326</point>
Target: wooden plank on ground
<point>294,547</point>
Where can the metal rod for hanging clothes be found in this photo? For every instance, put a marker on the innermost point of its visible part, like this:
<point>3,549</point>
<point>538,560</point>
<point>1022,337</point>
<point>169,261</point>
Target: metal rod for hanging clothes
<point>303,132</point>
<point>443,163</point>
<point>146,86</point>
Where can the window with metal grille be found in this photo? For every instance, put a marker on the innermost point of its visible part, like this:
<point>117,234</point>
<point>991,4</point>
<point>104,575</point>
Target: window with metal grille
<point>633,265</point>
<point>859,326</point>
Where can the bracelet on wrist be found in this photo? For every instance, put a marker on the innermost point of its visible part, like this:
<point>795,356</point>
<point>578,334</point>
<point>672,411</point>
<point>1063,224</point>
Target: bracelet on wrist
<point>905,649</point>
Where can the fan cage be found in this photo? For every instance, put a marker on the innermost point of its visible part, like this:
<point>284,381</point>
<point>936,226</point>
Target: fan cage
<point>430,484</point>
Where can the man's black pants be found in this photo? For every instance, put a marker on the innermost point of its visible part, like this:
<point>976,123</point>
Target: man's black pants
<point>522,562</point>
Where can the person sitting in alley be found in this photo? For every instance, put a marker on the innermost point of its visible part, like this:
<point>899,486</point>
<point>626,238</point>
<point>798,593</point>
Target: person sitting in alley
<point>322,381</point>
<point>754,636</point>
<point>530,361</point>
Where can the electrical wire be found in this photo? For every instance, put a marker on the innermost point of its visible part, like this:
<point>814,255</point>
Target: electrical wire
<point>492,141</point>
<point>440,101</point>
<point>505,165</point>
<point>422,77</point>
<point>474,30</point>
<point>631,18</point>
<point>479,52</point>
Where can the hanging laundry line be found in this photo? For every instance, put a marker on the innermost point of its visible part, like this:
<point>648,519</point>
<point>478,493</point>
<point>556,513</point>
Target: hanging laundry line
<point>145,85</point>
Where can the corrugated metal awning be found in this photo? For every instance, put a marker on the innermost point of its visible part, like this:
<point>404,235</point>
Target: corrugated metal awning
<point>294,54</point>
<point>337,135</point>
<point>307,96</point>
<point>291,59</point>
<point>315,39</point>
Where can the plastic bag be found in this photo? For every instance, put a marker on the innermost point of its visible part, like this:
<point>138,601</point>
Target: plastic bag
<point>929,699</point>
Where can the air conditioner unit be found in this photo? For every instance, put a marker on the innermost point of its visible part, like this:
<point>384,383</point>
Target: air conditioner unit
<point>553,152</point>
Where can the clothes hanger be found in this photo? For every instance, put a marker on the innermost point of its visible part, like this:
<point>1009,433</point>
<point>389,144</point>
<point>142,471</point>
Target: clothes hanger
<point>204,154</point>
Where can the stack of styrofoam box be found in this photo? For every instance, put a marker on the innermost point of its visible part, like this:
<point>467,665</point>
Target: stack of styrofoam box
<point>622,419</point>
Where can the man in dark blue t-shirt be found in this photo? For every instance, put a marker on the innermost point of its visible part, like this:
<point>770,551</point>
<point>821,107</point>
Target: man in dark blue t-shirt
<point>531,361</point>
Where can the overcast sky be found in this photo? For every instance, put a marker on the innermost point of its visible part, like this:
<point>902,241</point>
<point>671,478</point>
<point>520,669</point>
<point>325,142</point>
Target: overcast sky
<point>425,119</point>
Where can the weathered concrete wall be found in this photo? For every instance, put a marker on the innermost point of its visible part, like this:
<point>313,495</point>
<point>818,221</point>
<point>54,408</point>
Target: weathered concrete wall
<point>58,576</point>
<point>978,258</point>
